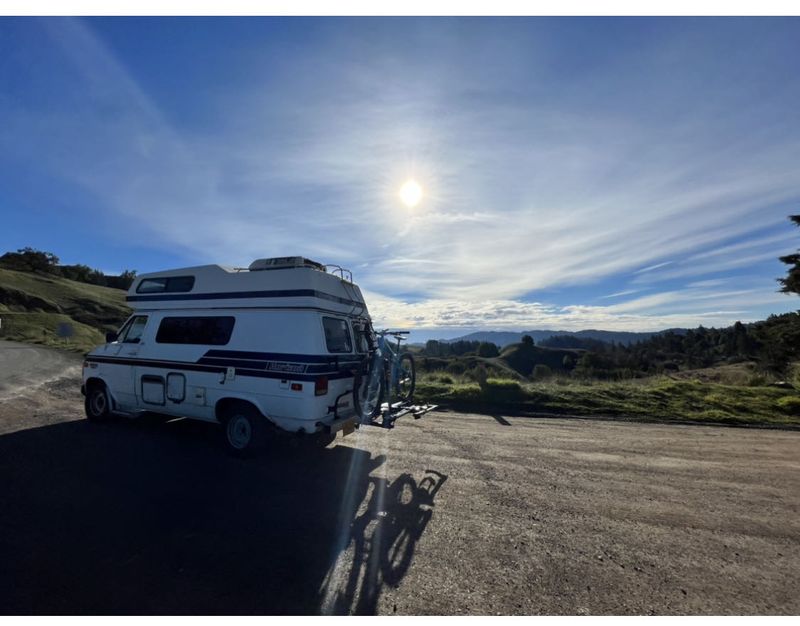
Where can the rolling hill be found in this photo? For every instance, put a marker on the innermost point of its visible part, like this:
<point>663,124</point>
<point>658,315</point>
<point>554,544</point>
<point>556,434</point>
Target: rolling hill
<point>505,338</point>
<point>33,306</point>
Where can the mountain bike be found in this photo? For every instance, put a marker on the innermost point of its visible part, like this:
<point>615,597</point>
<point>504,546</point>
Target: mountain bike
<point>388,375</point>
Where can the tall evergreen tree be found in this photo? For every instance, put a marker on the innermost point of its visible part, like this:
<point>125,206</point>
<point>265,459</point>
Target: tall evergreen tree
<point>791,284</point>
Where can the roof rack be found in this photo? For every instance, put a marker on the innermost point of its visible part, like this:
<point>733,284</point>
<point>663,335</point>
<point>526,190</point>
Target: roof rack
<point>341,272</point>
<point>284,262</point>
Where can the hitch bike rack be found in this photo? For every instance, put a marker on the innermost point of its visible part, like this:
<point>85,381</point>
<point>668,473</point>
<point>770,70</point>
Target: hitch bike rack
<point>391,412</point>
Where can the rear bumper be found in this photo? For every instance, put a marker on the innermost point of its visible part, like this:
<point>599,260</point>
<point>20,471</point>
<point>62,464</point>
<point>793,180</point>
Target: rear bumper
<point>339,424</point>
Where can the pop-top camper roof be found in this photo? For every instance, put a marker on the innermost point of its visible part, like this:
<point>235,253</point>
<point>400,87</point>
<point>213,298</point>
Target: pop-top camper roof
<point>283,282</point>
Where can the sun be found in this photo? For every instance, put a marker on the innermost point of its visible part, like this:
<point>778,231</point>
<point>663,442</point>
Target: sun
<point>411,193</point>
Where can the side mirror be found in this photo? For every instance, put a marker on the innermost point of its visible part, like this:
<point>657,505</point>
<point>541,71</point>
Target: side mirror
<point>111,337</point>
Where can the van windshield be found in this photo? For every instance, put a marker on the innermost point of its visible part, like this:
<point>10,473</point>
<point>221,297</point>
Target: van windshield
<point>133,333</point>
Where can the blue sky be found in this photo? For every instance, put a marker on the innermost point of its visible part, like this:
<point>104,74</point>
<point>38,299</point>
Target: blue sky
<point>578,173</point>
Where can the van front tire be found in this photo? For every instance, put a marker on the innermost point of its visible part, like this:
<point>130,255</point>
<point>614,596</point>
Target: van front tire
<point>97,404</point>
<point>244,430</point>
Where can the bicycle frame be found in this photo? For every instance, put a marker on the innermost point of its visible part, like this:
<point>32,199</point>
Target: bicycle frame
<point>383,371</point>
<point>391,360</point>
<point>388,375</point>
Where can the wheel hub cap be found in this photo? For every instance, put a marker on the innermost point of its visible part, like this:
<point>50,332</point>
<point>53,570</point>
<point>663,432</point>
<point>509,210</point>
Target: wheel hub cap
<point>239,432</point>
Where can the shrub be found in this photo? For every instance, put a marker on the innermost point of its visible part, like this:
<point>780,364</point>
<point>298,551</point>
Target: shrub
<point>794,374</point>
<point>502,389</point>
<point>480,375</point>
<point>456,368</point>
<point>790,405</point>
<point>471,393</point>
<point>503,383</point>
<point>442,378</point>
<point>541,371</point>
<point>431,390</point>
<point>732,360</point>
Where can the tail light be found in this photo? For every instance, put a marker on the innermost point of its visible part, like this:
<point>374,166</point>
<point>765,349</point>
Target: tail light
<point>321,386</point>
<point>297,386</point>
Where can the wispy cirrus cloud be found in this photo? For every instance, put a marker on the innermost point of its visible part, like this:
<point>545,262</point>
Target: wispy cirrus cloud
<point>650,268</point>
<point>619,294</point>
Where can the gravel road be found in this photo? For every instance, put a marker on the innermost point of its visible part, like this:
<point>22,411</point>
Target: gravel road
<point>451,514</point>
<point>23,365</point>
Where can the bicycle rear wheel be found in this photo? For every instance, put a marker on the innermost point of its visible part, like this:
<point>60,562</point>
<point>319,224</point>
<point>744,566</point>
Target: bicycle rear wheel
<point>407,379</point>
<point>368,396</point>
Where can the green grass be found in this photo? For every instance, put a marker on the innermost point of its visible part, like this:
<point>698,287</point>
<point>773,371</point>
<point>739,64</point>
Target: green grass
<point>658,398</point>
<point>32,306</point>
<point>41,328</point>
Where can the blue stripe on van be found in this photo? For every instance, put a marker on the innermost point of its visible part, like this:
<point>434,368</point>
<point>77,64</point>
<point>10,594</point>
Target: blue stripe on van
<point>200,367</point>
<point>229,295</point>
<point>281,356</point>
<point>279,362</point>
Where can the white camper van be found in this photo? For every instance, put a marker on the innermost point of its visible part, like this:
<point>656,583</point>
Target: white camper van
<point>281,340</point>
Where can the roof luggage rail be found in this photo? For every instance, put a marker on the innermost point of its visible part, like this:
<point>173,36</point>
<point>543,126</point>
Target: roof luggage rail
<point>284,262</point>
<point>340,272</point>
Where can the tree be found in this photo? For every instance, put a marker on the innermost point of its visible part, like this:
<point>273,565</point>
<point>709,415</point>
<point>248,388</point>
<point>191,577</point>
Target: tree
<point>29,260</point>
<point>433,348</point>
<point>487,349</point>
<point>587,365</point>
<point>791,284</point>
<point>123,281</point>
<point>527,340</point>
<point>127,277</point>
<point>77,272</point>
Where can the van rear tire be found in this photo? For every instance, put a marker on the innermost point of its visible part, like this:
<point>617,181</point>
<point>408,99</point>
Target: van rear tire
<point>97,404</point>
<point>244,430</point>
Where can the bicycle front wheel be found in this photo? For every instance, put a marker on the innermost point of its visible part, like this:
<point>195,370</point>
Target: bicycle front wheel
<point>407,379</point>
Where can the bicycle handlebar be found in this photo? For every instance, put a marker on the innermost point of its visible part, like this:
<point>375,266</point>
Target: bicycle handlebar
<point>395,333</point>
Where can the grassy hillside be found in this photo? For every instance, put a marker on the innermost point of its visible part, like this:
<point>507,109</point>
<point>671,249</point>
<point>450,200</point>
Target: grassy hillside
<point>659,398</point>
<point>516,361</point>
<point>32,306</point>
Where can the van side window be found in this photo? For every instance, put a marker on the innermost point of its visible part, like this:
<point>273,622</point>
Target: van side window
<point>211,331</point>
<point>337,336</point>
<point>132,333</point>
<point>172,284</point>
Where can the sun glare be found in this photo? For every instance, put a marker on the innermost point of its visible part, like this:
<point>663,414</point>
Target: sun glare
<point>411,193</point>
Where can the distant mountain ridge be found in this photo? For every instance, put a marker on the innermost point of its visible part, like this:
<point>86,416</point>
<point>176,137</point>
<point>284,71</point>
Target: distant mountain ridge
<point>504,338</point>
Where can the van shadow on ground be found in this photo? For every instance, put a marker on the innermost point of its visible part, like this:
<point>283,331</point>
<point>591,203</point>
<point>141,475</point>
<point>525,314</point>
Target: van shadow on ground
<point>150,517</point>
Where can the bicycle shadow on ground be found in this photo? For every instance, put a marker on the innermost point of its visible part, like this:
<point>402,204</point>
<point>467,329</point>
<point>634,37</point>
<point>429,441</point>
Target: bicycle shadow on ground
<point>379,548</point>
<point>151,517</point>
